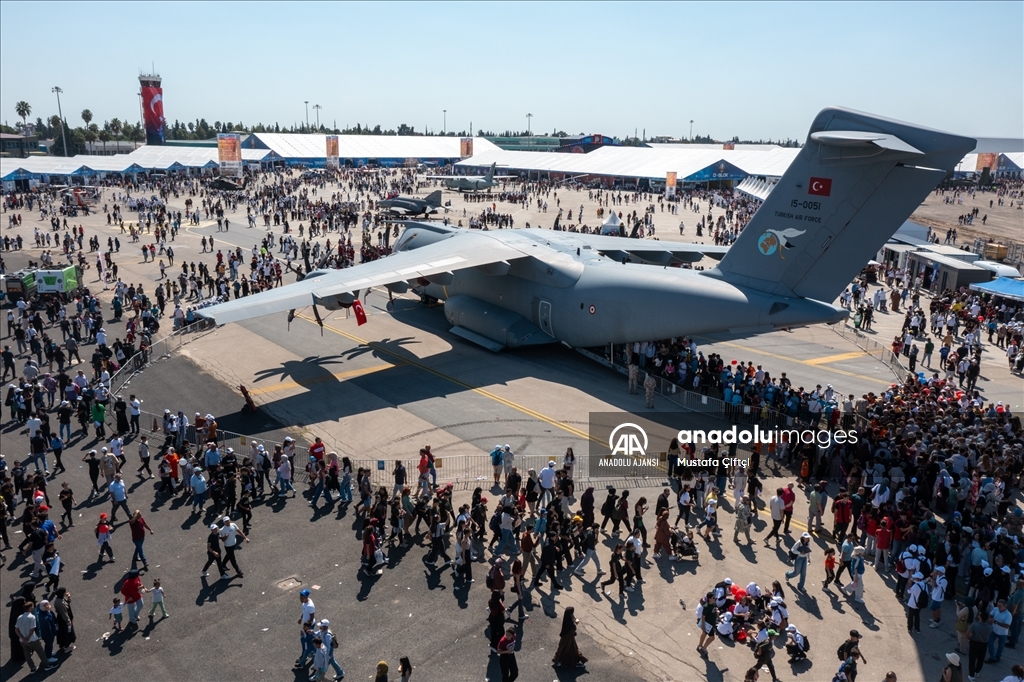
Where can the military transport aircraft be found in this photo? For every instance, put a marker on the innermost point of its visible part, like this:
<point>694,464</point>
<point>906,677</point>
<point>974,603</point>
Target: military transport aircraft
<point>412,206</point>
<point>470,183</point>
<point>854,182</point>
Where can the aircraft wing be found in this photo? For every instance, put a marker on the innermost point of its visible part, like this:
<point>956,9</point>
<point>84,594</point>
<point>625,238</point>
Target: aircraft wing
<point>659,252</point>
<point>462,250</point>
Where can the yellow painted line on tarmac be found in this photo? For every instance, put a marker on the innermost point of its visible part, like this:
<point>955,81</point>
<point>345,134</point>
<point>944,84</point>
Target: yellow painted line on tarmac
<point>836,358</point>
<point>884,382</point>
<point>305,383</point>
<point>458,382</point>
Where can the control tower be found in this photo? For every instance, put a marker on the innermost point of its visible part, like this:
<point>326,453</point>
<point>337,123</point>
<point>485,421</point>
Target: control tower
<point>152,107</point>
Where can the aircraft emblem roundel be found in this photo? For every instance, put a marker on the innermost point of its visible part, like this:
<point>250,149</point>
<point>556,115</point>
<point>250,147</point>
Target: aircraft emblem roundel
<point>593,309</point>
<point>768,244</point>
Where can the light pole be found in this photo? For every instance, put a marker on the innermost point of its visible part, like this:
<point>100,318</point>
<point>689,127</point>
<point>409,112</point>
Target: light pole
<point>691,130</point>
<point>529,121</point>
<point>306,102</point>
<point>63,137</point>
<point>444,121</point>
<point>317,107</point>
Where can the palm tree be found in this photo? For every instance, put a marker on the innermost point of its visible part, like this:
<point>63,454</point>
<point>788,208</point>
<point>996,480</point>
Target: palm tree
<point>87,117</point>
<point>115,128</point>
<point>24,109</point>
<point>104,136</point>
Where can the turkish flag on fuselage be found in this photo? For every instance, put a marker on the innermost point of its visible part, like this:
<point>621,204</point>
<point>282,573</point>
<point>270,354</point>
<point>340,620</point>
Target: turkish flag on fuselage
<point>357,306</point>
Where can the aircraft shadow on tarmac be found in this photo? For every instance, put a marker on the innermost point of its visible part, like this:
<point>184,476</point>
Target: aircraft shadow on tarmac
<point>409,379</point>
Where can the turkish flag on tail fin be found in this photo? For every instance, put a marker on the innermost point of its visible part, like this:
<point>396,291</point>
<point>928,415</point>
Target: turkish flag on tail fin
<point>357,306</point>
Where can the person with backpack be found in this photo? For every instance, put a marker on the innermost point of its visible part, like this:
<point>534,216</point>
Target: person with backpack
<point>764,652</point>
<point>916,595</point>
<point>857,573</point>
<point>845,653</point>
<point>330,642</point>
<point>797,645</point>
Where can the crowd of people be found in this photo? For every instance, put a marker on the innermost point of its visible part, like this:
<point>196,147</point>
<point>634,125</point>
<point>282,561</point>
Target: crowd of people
<point>925,497</point>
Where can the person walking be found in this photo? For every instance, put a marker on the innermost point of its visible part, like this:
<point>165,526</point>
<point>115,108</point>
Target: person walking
<point>229,533</point>
<point>320,660</point>
<point>649,385</point>
<point>743,519</point>
<point>330,644</point>
<point>568,652</point>
<point>764,652</point>
<point>213,553</point>
<point>118,497</point>
<point>663,535</point>
<point>158,599</point>
<point>306,622</point>
<point>801,553</point>
<point>103,533</point>
<point>777,507</point>
<point>138,527</point>
<point>847,651</point>
<point>857,573</point>
<point>588,546</point>
<point>507,656</point>
<point>131,590</point>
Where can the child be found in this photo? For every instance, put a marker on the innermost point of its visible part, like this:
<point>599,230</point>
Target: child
<point>103,531</point>
<point>830,567</point>
<point>158,598</point>
<point>116,613</point>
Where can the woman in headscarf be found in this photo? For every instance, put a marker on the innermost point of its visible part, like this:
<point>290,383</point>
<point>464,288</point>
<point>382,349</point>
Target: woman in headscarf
<point>568,652</point>
<point>65,620</point>
<point>587,507</point>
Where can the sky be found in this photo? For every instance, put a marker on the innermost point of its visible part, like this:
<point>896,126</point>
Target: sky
<point>753,70</point>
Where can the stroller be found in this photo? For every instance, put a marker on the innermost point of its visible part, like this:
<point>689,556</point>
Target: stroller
<point>683,546</point>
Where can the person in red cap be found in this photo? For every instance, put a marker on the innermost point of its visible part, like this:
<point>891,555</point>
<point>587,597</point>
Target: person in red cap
<point>103,533</point>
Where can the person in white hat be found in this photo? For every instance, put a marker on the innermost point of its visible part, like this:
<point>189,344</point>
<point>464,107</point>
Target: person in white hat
<point>547,483</point>
<point>800,552</point>
<point>496,456</point>
<point>330,643</point>
<point>796,644</point>
<point>952,672</point>
<point>915,597</point>
<point>938,584</point>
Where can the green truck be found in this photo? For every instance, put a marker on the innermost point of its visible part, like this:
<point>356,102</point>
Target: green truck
<point>57,281</point>
<point>27,282</point>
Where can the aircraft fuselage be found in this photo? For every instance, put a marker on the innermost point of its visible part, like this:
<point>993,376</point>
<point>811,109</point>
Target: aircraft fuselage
<point>575,295</point>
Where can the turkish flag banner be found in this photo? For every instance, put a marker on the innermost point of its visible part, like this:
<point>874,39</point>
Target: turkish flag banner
<point>360,313</point>
<point>821,187</point>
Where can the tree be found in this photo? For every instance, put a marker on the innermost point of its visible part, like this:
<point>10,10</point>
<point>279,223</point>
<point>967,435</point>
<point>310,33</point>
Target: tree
<point>87,117</point>
<point>24,109</point>
<point>104,136</point>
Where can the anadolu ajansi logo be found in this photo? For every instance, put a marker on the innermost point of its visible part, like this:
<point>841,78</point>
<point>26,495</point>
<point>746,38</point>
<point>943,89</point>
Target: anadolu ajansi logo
<point>628,440</point>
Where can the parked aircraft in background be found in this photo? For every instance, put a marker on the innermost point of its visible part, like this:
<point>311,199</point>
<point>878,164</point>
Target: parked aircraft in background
<point>470,183</point>
<point>412,206</point>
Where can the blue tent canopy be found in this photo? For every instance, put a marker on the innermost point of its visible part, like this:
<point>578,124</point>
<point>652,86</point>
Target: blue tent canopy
<point>1007,287</point>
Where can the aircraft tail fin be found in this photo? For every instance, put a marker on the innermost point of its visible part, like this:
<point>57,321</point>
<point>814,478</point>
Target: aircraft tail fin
<point>490,173</point>
<point>434,198</point>
<point>856,180</point>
